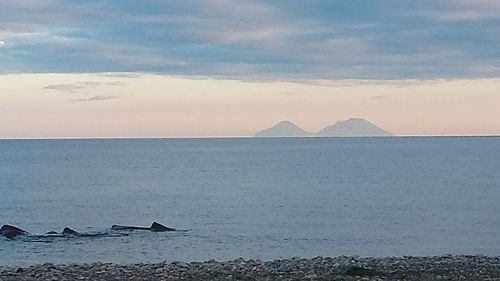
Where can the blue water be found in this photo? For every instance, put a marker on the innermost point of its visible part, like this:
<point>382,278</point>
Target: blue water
<point>254,198</point>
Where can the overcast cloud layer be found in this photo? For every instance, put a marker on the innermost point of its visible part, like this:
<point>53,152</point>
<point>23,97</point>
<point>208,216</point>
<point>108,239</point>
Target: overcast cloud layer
<point>288,39</point>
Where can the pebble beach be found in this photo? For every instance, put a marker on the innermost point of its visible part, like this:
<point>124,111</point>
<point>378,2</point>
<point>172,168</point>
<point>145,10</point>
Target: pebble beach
<point>319,268</point>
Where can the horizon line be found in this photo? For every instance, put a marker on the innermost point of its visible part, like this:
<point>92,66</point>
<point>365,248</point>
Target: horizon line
<point>244,137</point>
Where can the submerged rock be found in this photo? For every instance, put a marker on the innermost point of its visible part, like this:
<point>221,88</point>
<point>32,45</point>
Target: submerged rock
<point>11,232</point>
<point>69,231</point>
<point>157,227</point>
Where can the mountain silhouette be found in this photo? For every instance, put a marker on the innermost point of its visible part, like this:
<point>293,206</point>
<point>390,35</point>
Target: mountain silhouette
<point>352,127</point>
<point>283,129</point>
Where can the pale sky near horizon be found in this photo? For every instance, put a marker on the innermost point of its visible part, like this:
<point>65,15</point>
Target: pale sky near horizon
<point>231,68</point>
<point>147,105</point>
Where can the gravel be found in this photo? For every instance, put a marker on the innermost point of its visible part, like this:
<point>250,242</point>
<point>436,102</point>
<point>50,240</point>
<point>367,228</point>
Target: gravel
<point>320,268</point>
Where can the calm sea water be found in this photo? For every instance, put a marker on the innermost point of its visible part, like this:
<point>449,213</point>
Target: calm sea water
<point>254,198</point>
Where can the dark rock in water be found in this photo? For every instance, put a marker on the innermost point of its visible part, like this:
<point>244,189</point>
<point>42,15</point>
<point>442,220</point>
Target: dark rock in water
<point>160,227</point>
<point>126,227</point>
<point>66,232</point>
<point>11,232</point>
<point>156,227</point>
<point>69,231</point>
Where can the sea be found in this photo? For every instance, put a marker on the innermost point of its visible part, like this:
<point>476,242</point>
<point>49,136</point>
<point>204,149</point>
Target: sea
<point>256,198</point>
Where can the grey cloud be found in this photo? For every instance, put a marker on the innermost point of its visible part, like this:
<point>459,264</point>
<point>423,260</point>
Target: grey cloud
<point>81,86</point>
<point>73,87</point>
<point>245,39</point>
<point>30,15</point>
<point>89,83</point>
<point>96,98</point>
<point>466,10</point>
<point>121,75</point>
<point>115,83</point>
<point>64,87</point>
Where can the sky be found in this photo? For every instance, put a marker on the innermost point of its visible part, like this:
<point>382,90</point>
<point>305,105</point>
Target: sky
<point>230,68</point>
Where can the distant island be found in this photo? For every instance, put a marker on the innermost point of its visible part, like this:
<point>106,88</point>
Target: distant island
<point>352,127</point>
<point>283,129</point>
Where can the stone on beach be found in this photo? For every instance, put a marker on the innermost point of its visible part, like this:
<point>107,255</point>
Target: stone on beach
<point>318,268</point>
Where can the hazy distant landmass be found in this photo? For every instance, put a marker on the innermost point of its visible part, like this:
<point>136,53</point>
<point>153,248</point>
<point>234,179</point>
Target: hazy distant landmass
<point>352,127</point>
<point>283,129</point>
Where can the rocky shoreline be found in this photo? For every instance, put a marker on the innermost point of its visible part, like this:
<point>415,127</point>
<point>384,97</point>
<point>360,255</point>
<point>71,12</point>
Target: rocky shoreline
<point>320,268</point>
